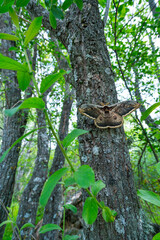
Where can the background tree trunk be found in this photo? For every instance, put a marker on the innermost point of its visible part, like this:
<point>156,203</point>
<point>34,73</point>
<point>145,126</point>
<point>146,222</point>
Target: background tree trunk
<point>12,129</point>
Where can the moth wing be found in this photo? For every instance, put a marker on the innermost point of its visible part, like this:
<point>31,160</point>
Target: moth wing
<point>126,107</point>
<point>90,110</point>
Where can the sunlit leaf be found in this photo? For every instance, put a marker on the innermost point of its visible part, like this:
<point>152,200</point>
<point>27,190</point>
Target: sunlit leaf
<point>22,3</point>
<point>33,102</point>
<point>14,17</point>
<point>90,210</point>
<point>50,185</point>
<point>72,135</point>
<point>33,30</point>
<point>156,237</point>
<point>49,227</point>
<point>149,196</point>
<point>8,37</point>
<point>149,110</point>
<point>71,207</point>
<point>26,225</point>
<point>84,176</point>
<point>10,64</point>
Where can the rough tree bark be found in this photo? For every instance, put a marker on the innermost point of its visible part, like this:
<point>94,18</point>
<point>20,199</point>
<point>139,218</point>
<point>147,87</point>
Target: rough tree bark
<point>12,127</point>
<point>30,197</point>
<point>106,151</point>
<point>52,212</point>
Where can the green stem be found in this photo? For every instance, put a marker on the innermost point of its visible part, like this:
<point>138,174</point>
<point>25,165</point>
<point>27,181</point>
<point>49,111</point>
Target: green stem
<point>31,71</point>
<point>91,195</point>
<point>58,141</point>
<point>64,215</point>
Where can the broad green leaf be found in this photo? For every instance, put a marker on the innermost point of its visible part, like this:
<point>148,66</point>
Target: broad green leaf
<point>14,17</point>
<point>102,3</point>
<point>57,12</point>
<point>17,141</point>
<point>11,112</point>
<point>50,79</point>
<point>156,237</point>
<point>22,3</point>
<point>52,20</point>
<point>149,196</point>
<point>26,225</point>
<point>90,210</point>
<point>107,214</point>
<point>33,30</point>
<point>69,237</point>
<point>79,3</point>
<point>8,37</point>
<point>10,64</point>
<point>84,176</point>
<point>49,227</point>
<point>69,181</point>
<point>96,187</point>
<point>33,102</point>
<point>72,135</point>
<point>50,185</point>
<point>5,7</point>
<point>24,79</point>
<point>48,3</point>
<point>66,4</point>
<point>158,167</point>
<point>71,207</point>
<point>149,110</point>
<point>6,222</point>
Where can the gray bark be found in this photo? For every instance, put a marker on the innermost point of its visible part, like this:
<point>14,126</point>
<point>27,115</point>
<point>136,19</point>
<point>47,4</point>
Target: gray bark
<point>52,212</point>
<point>30,197</point>
<point>105,150</point>
<point>12,129</point>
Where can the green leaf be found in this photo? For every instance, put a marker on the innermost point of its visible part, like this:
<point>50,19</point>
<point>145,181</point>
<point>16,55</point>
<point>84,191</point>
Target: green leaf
<point>79,3</point>
<point>8,37</point>
<point>10,64</point>
<point>158,167</point>
<point>69,181</point>
<point>71,207</point>
<point>66,4</point>
<point>17,141</point>
<point>149,196</point>
<point>6,222</point>
<point>14,17</point>
<point>22,3</point>
<point>102,3</point>
<point>84,176</point>
<point>48,3</point>
<point>24,79</point>
<point>50,185</point>
<point>149,110</point>
<point>72,135</point>
<point>50,79</point>
<point>52,20</point>
<point>33,30</point>
<point>33,102</point>
<point>5,7</point>
<point>156,237</point>
<point>73,237</point>
<point>26,225</point>
<point>90,210</point>
<point>57,12</point>
<point>96,187</point>
<point>49,227</point>
<point>11,112</point>
<point>107,214</point>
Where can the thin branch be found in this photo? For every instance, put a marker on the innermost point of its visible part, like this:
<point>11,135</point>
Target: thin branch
<point>108,2</point>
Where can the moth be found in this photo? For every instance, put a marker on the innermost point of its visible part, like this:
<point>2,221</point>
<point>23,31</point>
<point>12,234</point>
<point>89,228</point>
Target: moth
<point>109,116</point>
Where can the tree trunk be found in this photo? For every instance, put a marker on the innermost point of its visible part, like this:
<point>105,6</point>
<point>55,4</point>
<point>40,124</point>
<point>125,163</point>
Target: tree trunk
<point>12,127</point>
<point>52,213</point>
<point>30,197</point>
